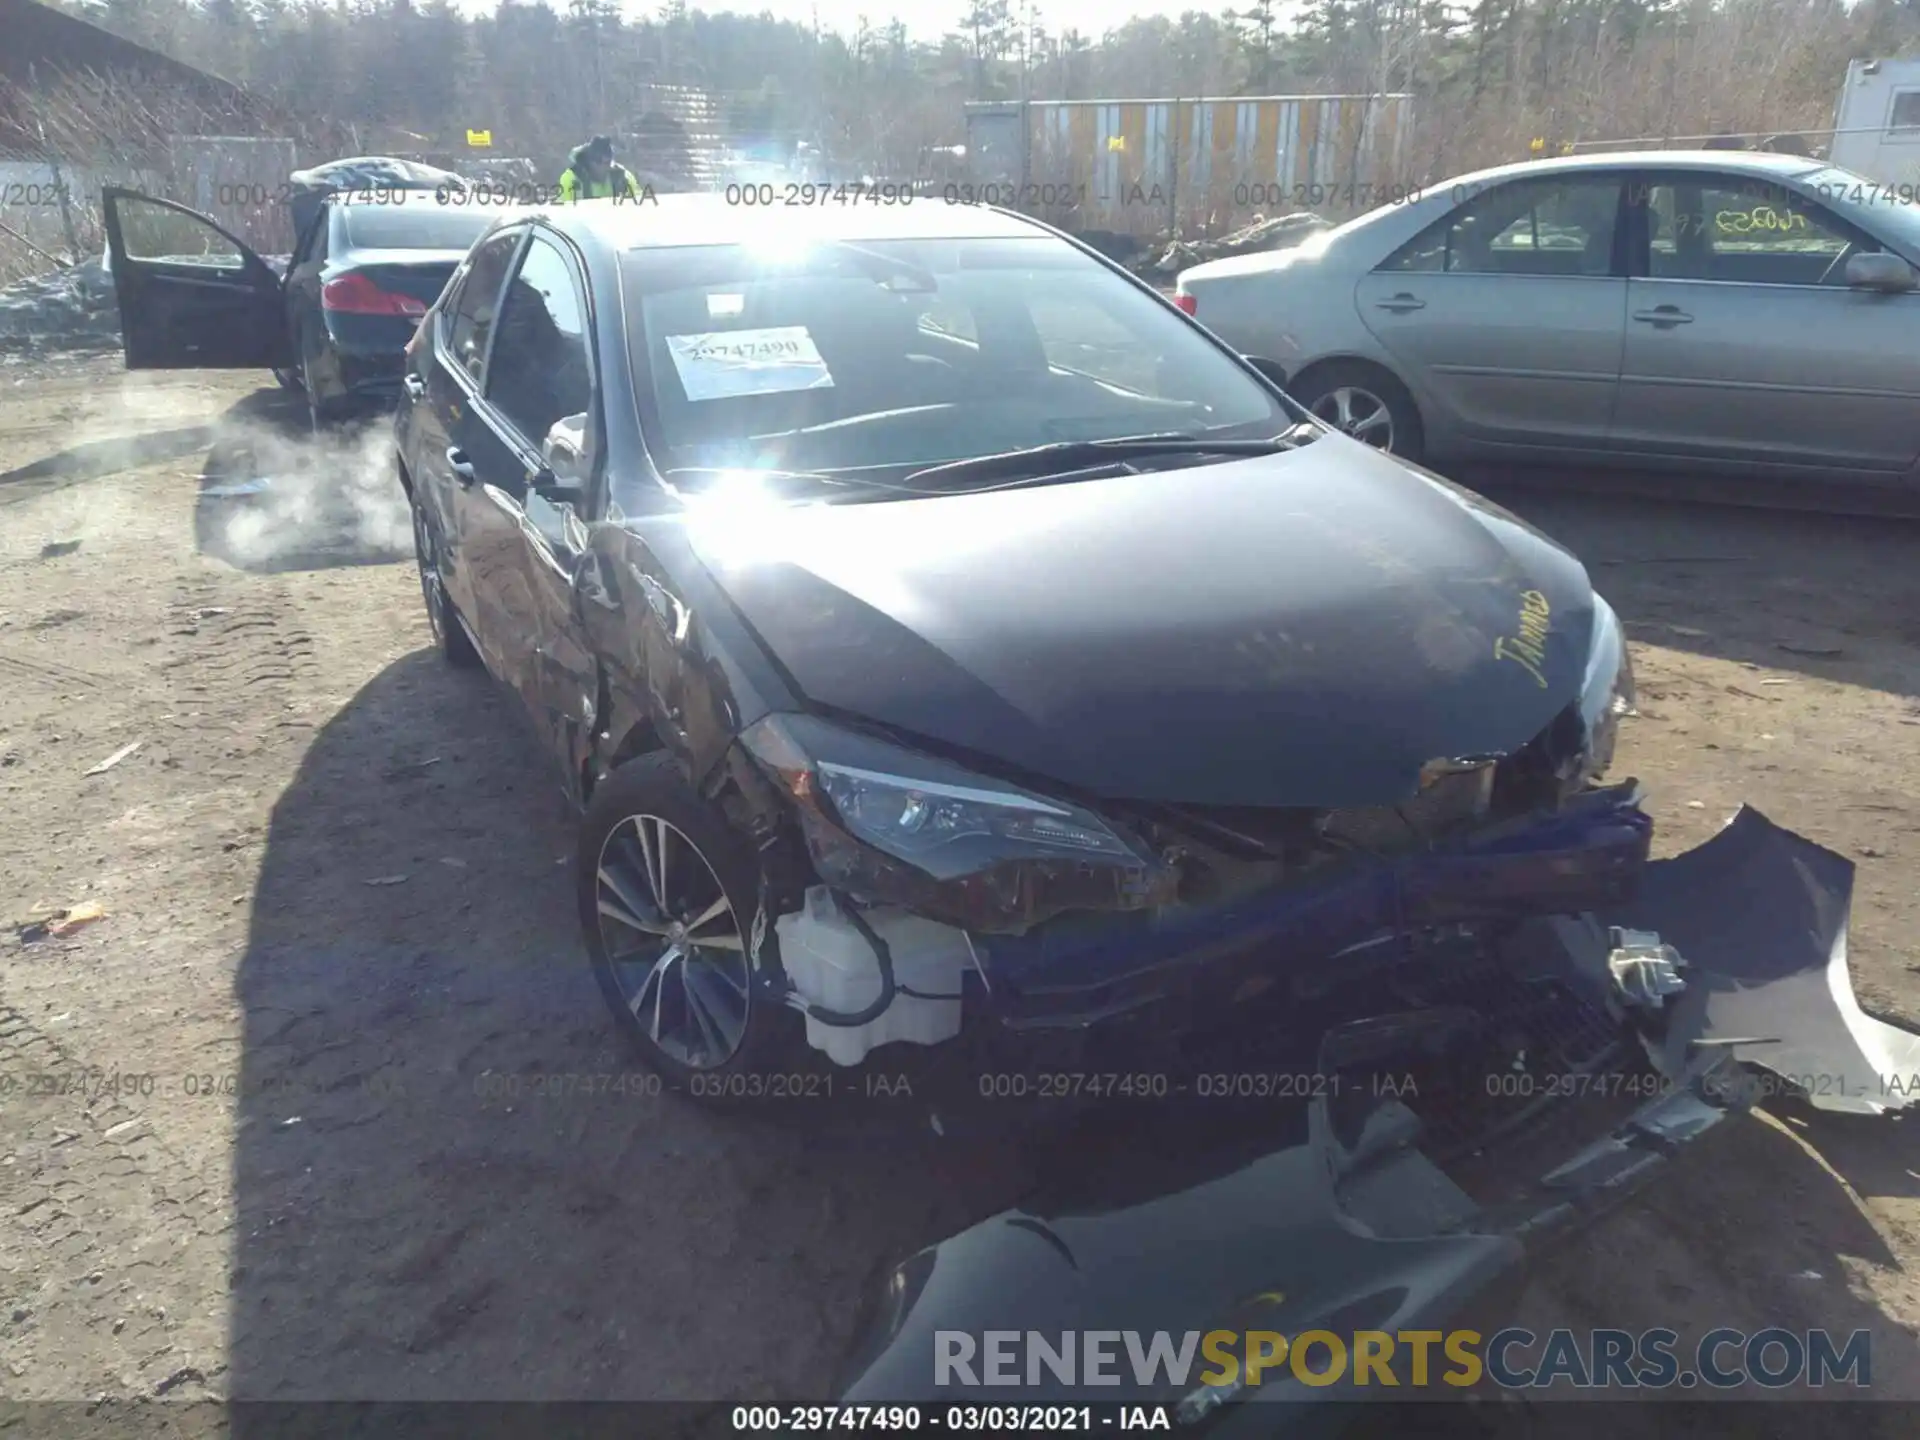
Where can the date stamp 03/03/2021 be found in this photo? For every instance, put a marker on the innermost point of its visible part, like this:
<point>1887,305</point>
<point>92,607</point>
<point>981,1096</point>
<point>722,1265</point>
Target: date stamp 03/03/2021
<point>880,1084</point>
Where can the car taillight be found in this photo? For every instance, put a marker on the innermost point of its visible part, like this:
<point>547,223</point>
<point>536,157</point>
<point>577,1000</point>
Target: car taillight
<point>354,294</point>
<point>1186,303</point>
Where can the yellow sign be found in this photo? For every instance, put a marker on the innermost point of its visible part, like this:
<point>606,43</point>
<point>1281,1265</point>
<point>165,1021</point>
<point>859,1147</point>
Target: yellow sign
<point>1528,648</point>
<point>480,139</point>
<point>1761,217</point>
<point>1116,142</point>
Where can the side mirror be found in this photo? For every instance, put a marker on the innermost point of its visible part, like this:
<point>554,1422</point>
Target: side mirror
<point>1887,273</point>
<point>563,459</point>
<point>1269,368</point>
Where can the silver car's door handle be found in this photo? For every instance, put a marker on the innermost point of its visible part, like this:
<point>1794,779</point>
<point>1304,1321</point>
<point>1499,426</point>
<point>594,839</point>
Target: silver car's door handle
<point>1664,315</point>
<point>1401,303</point>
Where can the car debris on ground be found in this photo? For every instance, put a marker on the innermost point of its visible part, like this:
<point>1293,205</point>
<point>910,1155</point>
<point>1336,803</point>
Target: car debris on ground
<point>59,924</point>
<point>114,759</point>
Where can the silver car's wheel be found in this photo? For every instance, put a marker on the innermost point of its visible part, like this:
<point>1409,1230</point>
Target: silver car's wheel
<point>1364,401</point>
<point>1357,412</point>
<point>673,941</point>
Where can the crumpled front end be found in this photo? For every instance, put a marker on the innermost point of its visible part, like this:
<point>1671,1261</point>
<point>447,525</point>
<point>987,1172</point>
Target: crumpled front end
<point>1361,913</point>
<point>1454,1112</point>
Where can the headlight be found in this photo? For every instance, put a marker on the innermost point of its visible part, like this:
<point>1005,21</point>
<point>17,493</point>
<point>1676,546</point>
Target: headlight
<point>920,831</point>
<point>951,830</point>
<point>1608,692</point>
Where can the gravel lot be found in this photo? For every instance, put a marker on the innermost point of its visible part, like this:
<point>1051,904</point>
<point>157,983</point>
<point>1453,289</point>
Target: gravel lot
<point>337,921</point>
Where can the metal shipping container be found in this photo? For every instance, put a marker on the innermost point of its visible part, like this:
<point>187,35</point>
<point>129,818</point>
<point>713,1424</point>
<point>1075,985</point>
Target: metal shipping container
<point>1198,166</point>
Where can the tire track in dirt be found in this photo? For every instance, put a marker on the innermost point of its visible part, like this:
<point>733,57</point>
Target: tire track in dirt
<point>110,1191</point>
<point>118,1221</point>
<point>231,637</point>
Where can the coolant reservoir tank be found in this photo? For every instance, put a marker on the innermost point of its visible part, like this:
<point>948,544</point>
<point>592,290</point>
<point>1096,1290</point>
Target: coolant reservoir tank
<point>834,967</point>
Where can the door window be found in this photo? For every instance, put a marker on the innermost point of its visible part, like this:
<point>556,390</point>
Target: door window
<point>479,301</point>
<point>156,232</point>
<point>540,372</point>
<point>1732,229</point>
<point>1554,226</point>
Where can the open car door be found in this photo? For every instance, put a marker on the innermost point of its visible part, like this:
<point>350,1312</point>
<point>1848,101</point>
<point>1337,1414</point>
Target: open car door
<point>191,296</point>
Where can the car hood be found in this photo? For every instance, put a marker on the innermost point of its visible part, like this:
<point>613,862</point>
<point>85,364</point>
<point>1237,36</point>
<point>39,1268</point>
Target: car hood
<point>1304,629</point>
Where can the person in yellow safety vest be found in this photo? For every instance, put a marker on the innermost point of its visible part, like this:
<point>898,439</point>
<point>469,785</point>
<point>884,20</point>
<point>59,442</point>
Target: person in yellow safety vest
<point>593,174</point>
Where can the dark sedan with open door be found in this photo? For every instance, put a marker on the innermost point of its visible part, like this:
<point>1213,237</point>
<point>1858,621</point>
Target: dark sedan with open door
<point>363,271</point>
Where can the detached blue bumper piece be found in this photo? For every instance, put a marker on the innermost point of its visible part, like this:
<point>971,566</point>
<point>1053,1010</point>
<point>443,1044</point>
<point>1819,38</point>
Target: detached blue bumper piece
<point>1326,1214</point>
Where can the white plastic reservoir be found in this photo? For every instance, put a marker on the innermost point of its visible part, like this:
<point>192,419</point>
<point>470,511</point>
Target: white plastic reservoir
<point>832,965</point>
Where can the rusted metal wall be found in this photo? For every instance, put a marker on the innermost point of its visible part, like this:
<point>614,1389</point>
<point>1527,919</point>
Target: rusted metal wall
<point>1199,166</point>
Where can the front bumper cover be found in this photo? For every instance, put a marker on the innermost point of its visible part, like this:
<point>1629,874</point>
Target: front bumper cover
<point>1350,1221</point>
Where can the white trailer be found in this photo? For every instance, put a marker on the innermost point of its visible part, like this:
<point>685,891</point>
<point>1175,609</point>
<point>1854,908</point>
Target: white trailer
<point>1876,125</point>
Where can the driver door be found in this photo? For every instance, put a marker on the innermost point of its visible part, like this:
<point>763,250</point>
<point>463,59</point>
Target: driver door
<point>191,296</point>
<point>1745,344</point>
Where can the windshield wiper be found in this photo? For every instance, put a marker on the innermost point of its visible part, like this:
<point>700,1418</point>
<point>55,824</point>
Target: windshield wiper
<point>1065,456</point>
<point>853,478</point>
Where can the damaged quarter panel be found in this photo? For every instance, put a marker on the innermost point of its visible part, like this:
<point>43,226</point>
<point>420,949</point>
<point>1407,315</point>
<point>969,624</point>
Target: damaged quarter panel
<point>1307,629</point>
<point>674,655</point>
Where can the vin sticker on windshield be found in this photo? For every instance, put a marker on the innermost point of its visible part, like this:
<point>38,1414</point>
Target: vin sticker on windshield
<point>729,363</point>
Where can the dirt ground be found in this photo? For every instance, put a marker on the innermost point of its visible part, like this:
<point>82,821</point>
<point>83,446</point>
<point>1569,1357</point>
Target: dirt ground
<point>283,1157</point>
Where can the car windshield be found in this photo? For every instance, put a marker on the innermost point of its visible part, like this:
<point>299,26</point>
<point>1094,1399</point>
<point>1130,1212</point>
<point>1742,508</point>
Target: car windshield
<point>841,356</point>
<point>415,220</point>
<point>1892,211</point>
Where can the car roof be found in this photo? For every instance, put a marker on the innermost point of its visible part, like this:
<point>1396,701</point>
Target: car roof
<point>1763,163</point>
<point>709,218</point>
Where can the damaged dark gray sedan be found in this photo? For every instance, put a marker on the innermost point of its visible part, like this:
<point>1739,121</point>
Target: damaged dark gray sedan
<point>951,644</point>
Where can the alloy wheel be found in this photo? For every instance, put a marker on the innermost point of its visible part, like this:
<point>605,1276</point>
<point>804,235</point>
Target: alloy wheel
<point>675,944</point>
<point>1359,413</point>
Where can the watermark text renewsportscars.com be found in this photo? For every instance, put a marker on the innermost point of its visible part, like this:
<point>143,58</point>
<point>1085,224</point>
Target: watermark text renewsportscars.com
<point>1514,1359</point>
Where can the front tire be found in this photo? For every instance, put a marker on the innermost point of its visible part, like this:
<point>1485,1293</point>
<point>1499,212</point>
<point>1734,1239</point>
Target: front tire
<point>667,892</point>
<point>1366,403</point>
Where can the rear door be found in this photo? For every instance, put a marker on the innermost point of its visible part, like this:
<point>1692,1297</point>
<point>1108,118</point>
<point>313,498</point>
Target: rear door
<point>191,296</point>
<point>1508,314</point>
<point>540,376</point>
<point>452,449</point>
<point>1745,344</point>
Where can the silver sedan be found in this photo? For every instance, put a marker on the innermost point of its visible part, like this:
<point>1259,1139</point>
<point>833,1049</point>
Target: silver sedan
<point>1661,309</point>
